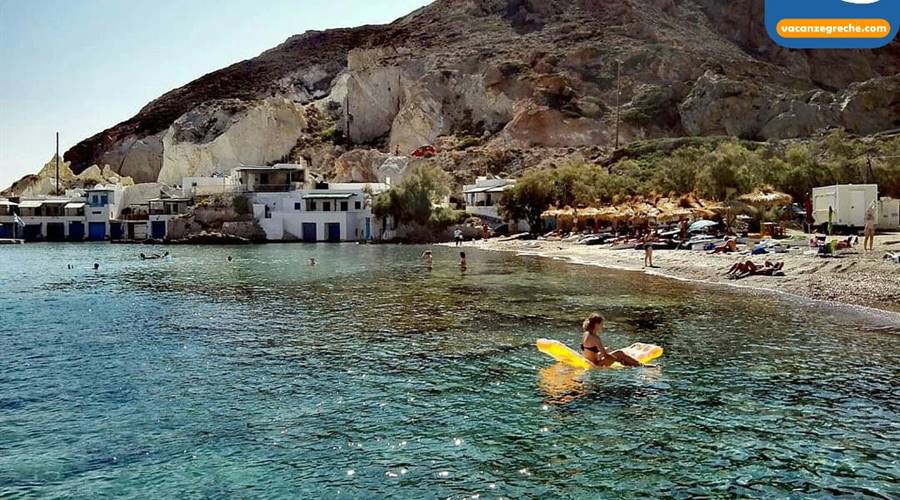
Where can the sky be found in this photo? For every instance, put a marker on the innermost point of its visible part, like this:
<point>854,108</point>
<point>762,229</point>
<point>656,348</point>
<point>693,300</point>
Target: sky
<point>78,67</point>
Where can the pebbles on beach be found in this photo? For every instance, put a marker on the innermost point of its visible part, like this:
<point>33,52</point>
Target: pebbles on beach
<point>852,277</point>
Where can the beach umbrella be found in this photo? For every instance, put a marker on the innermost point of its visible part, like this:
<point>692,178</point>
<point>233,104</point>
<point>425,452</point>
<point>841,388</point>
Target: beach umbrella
<point>700,225</point>
<point>608,213</point>
<point>767,197</point>
<point>676,214</point>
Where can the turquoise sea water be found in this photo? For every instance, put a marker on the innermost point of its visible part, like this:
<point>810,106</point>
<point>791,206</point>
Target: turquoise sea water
<point>369,376</point>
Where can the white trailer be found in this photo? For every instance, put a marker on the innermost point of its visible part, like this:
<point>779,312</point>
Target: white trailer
<point>888,214</point>
<point>847,201</point>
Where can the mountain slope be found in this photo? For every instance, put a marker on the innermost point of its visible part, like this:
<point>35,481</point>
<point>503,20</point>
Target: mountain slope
<point>512,73</point>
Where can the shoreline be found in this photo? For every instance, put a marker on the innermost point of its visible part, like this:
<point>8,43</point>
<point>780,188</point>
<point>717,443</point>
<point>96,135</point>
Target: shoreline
<point>862,280</point>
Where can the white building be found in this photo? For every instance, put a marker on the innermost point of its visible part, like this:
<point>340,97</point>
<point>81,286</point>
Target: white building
<point>52,219</point>
<point>8,227</point>
<point>161,211</point>
<point>104,204</point>
<point>290,207</point>
<point>144,211</point>
<point>208,186</point>
<point>482,199</point>
<point>847,204</point>
<point>888,214</point>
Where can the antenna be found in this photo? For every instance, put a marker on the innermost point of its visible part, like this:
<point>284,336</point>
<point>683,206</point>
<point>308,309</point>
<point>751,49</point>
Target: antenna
<point>618,92</point>
<point>57,164</point>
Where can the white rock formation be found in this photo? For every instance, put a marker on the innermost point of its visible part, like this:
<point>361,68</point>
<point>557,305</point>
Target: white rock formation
<point>374,93</point>
<point>223,135</point>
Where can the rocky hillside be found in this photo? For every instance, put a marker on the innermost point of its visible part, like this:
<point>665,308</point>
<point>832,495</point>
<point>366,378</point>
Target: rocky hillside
<point>500,85</point>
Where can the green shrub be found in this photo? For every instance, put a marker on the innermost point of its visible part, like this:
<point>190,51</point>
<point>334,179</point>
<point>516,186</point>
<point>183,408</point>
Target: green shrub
<point>413,199</point>
<point>241,205</point>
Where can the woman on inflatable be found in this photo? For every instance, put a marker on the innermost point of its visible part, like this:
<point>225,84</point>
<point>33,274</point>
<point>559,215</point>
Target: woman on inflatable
<point>593,349</point>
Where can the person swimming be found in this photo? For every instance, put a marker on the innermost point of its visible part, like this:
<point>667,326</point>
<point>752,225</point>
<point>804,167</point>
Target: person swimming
<point>313,262</point>
<point>593,349</point>
<point>462,261</point>
<point>428,259</point>
<point>96,266</point>
<point>229,258</point>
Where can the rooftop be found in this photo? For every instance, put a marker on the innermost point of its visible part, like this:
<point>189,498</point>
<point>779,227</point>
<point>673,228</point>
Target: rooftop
<point>483,185</point>
<point>274,168</point>
<point>173,199</point>
<point>328,195</point>
<point>486,189</point>
<point>40,202</point>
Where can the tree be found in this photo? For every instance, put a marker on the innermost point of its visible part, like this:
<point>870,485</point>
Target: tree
<point>727,170</point>
<point>677,173</point>
<point>573,184</point>
<point>533,193</point>
<point>799,172</point>
<point>414,197</point>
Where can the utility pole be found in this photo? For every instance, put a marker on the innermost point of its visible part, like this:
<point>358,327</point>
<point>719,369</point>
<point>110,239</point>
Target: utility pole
<point>618,94</point>
<point>870,174</point>
<point>57,164</point>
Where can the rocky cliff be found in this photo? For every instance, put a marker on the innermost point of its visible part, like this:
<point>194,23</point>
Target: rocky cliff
<point>502,84</point>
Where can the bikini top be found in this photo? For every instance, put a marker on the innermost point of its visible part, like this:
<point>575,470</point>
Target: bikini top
<point>594,350</point>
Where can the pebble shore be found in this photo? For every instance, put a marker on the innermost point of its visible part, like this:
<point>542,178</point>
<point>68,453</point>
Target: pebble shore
<point>856,277</point>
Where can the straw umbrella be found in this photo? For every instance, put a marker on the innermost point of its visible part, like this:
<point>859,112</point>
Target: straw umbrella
<point>765,198</point>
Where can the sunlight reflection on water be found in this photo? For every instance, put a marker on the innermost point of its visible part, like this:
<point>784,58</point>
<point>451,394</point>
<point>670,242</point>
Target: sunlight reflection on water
<point>369,376</point>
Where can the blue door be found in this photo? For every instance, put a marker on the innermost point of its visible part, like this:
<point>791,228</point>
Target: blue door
<point>309,231</point>
<point>158,229</point>
<point>368,228</point>
<point>76,231</point>
<point>32,232</point>
<point>97,231</point>
<point>333,231</point>
<point>6,231</point>
<point>56,231</point>
<point>115,230</point>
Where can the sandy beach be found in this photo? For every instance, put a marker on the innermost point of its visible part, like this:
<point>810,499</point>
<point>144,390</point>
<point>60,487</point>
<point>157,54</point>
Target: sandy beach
<point>852,276</point>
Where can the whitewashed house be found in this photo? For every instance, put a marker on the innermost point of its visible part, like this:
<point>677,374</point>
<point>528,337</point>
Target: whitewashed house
<point>8,227</point>
<point>208,186</point>
<point>482,199</point>
<point>289,206</point>
<point>161,211</point>
<point>103,205</point>
<point>52,219</point>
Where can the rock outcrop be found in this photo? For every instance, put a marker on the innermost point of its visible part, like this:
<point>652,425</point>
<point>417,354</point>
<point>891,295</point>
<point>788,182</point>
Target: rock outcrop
<point>44,182</point>
<point>512,73</point>
<point>229,133</point>
<point>721,106</point>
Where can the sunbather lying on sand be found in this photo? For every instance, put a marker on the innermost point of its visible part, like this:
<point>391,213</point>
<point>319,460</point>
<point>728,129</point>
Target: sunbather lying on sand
<point>848,243</point>
<point>743,269</point>
<point>727,247</point>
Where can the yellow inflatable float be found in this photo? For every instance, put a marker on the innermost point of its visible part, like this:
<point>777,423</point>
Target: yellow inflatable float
<point>643,353</point>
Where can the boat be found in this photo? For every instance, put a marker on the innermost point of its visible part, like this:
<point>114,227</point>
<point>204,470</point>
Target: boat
<point>701,242</point>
